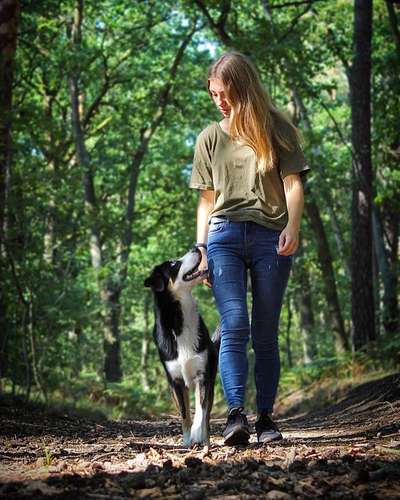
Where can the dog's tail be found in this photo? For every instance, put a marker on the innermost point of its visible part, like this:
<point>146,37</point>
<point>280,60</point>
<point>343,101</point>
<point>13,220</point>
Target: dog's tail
<point>216,338</point>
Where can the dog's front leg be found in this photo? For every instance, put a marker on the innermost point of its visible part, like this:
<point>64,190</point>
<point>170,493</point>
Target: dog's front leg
<point>181,396</point>
<point>199,433</point>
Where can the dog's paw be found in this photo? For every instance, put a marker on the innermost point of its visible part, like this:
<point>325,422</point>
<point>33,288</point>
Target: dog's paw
<point>198,436</point>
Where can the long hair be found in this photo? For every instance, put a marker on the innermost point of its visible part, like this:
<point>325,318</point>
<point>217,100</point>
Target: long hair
<point>254,118</point>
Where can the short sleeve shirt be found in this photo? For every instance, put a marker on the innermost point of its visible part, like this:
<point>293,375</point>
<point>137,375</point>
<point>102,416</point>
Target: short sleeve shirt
<point>241,193</point>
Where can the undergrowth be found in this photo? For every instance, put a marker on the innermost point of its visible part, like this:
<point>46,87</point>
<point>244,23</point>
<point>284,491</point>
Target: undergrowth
<point>318,381</point>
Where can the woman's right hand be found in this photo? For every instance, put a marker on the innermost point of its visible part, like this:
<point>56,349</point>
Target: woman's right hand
<point>203,266</point>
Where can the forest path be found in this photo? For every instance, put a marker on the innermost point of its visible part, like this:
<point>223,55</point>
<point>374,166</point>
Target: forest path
<point>348,450</point>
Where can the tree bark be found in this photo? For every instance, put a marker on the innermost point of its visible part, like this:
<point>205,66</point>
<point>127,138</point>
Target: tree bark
<point>287,339</point>
<point>9,19</point>
<point>112,339</point>
<point>394,26</point>
<point>363,308</point>
<point>338,233</point>
<point>386,244</point>
<point>391,219</point>
<point>304,305</point>
<point>325,262</point>
<point>49,243</point>
<point>145,344</point>
<point>109,290</point>
<point>386,236</point>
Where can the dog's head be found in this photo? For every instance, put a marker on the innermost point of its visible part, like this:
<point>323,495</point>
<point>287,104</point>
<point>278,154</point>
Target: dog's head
<point>177,275</point>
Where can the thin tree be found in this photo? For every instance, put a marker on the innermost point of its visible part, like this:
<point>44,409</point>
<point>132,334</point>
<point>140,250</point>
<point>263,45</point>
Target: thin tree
<point>9,18</point>
<point>362,298</point>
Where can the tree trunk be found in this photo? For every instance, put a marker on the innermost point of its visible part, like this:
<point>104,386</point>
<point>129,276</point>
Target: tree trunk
<point>33,349</point>
<point>9,19</point>
<point>363,312</point>
<point>288,326</point>
<point>49,242</point>
<point>112,343</point>
<point>386,238</point>
<point>304,305</point>
<point>325,262</point>
<point>393,25</point>
<point>338,233</point>
<point>145,344</point>
<point>108,291</point>
<point>389,225</point>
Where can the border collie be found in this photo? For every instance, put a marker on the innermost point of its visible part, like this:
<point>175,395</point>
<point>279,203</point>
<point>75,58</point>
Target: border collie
<point>189,357</point>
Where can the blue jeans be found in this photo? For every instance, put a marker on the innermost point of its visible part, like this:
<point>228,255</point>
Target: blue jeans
<point>234,247</point>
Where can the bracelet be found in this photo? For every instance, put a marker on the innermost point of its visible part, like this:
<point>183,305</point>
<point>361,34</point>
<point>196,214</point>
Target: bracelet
<point>200,245</point>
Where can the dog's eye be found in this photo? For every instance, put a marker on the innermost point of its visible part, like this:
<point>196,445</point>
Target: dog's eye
<point>173,263</point>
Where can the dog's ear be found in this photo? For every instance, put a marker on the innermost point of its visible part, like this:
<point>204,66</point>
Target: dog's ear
<point>155,281</point>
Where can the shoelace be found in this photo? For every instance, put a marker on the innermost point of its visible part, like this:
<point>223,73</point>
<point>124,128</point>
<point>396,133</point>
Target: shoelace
<point>237,412</point>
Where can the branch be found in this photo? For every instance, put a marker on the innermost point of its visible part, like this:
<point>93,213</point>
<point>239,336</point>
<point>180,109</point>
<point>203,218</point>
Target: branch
<point>219,26</point>
<point>108,82</point>
<point>338,51</point>
<point>393,25</point>
<point>295,4</point>
<point>293,23</point>
<point>15,275</point>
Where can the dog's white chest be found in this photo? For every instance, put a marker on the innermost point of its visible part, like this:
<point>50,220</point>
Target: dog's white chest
<point>189,364</point>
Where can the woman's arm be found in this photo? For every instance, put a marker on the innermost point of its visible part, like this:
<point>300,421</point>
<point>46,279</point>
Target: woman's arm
<point>206,204</point>
<point>289,237</point>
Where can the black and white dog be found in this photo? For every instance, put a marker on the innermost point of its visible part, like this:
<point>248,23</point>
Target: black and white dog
<point>186,351</point>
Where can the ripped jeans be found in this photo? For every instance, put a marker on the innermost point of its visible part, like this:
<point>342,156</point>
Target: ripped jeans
<point>234,247</point>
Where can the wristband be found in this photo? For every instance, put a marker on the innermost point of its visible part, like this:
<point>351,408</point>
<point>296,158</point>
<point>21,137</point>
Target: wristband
<point>200,245</point>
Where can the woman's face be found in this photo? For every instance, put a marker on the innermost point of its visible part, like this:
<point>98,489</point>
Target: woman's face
<point>217,92</point>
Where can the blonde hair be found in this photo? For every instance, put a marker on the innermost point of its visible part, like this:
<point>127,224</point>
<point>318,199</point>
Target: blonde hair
<point>254,118</point>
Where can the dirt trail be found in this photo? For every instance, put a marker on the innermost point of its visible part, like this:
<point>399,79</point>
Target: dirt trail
<point>348,450</point>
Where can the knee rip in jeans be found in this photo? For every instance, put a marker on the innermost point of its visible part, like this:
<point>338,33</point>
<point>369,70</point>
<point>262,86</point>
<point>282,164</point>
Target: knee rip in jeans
<point>219,272</point>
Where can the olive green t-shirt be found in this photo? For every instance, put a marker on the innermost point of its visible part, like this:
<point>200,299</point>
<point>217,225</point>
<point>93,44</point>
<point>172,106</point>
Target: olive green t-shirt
<point>240,192</point>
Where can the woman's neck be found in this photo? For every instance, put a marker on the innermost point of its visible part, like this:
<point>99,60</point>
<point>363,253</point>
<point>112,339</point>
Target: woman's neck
<point>225,125</point>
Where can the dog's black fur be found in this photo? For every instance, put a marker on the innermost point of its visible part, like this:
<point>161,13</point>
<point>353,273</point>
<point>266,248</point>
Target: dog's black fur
<point>188,355</point>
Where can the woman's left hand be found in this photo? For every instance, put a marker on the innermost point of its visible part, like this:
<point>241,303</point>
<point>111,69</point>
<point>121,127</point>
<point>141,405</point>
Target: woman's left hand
<point>288,240</point>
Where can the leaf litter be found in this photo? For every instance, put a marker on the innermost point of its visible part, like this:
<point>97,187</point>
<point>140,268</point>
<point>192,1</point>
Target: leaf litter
<point>347,450</point>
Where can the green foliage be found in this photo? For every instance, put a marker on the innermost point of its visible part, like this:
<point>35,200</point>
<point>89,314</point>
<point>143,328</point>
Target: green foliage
<point>381,356</point>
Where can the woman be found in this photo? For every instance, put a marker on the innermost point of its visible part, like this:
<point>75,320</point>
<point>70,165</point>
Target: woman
<point>247,168</point>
